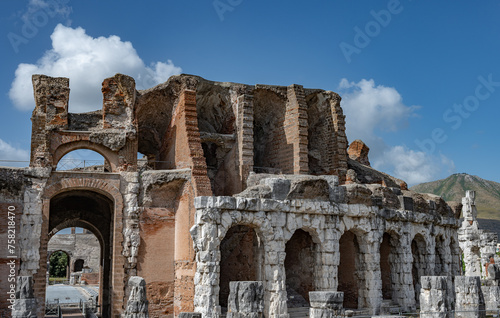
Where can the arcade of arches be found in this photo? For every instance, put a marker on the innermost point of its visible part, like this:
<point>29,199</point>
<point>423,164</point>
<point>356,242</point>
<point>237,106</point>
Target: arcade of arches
<point>198,211</point>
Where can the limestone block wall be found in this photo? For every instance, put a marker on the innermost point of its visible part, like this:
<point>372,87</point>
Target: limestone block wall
<point>275,221</point>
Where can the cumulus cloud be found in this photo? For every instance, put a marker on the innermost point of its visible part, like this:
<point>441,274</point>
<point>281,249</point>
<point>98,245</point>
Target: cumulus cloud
<point>87,61</point>
<point>413,166</point>
<point>11,154</point>
<point>371,109</point>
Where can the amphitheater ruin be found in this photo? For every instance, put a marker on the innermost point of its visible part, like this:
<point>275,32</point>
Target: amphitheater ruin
<point>248,202</point>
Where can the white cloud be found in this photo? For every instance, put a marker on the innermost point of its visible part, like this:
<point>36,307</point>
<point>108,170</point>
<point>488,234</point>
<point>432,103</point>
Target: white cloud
<point>87,61</point>
<point>10,153</point>
<point>371,109</point>
<point>412,166</point>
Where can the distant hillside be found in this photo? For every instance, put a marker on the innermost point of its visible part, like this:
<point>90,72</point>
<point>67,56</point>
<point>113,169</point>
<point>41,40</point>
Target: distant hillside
<point>453,189</point>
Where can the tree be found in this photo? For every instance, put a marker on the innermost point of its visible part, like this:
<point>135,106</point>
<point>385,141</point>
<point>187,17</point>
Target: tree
<point>58,264</point>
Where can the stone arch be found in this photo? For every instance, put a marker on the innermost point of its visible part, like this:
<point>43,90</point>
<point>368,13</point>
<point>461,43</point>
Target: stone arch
<point>420,262</point>
<point>108,230</point>
<point>91,184</point>
<point>349,269</point>
<point>302,263</point>
<point>78,265</point>
<point>386,265</point>
<point>392,255</point>
<point>241,258</point>
<point>109,155</point>
<point>441,262</point>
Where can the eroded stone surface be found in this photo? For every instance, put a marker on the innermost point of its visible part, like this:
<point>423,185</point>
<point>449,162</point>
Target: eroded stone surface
<point>137,304</point>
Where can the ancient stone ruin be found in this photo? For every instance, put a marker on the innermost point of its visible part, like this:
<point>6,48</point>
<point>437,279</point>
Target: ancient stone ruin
<point>238,183</point>
<point>83,251</point>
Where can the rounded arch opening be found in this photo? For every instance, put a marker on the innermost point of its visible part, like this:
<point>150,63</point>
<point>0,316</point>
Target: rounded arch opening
<point>58,269</point>
<point>110,157</point>
<point>301,262</point>
<point>419,265</point>
<point>93,211</point>
<point>440,263</point>
<point>386,265</point>
<point>242,259</point>
<point>83,160</point>
<point>348,270</point>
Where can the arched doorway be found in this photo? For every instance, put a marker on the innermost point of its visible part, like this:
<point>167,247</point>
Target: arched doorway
<point>78,266</point>
<point>242,259</point>
<point>300,263</point>
<point>348,269</point>
<point>92,211</point>
<point>440,263</point>
<point>419,265</point>
<point>58,266</point>
<point>386,251</point>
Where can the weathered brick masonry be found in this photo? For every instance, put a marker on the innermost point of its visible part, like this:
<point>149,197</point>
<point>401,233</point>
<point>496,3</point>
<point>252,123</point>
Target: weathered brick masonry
<point>258,175</point>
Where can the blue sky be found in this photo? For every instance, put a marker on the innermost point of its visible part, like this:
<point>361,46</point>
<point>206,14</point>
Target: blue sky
<point>420,80</point>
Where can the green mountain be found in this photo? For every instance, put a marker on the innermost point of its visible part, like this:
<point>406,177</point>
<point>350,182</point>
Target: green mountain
<point>453,189</point>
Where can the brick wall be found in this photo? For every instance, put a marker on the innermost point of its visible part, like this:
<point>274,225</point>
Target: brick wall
<point>182,144</point>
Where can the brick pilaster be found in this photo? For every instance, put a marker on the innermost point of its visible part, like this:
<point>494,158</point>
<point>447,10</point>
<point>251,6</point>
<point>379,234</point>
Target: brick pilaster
<point>296,130</point>
<point>245,137</point>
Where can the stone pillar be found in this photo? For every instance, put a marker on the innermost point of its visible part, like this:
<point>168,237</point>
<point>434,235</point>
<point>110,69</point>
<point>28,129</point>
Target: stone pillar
<point>371,279</point>
<point>470,300</point>
<point>434,297</point>
<point>491,293</point>
<point>206,279</point>
<point>137,304</point>
<point>491,286</point>
<point>325,304</point>
<point>246,300</point>
<point>25,305</point>
<point>275,302</point>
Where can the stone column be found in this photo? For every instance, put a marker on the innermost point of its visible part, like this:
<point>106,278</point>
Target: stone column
<point>325,304</point>
<point>275,302</point>
<point>491,286</point>
<point>470,300</point>
<point>370,255</point>
<point>246,299</point>
<point>206,279</point>
<point>137,304</point>
<point>25,305</point>
<point>434,297</point>
<point>406,294</point>
<point>491,293</point>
